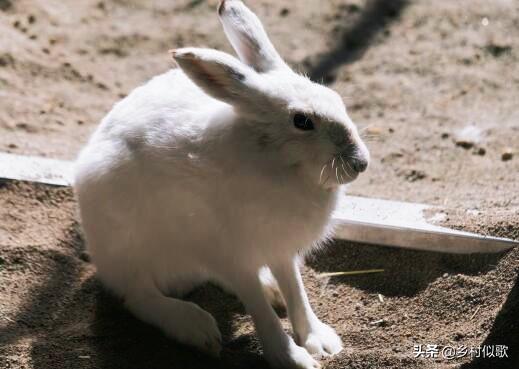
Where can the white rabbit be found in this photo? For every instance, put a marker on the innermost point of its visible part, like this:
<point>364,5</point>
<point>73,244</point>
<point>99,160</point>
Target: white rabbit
<point>215,171</point>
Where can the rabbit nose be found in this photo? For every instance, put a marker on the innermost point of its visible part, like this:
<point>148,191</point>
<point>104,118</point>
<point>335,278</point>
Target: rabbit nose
<point>359,164</point>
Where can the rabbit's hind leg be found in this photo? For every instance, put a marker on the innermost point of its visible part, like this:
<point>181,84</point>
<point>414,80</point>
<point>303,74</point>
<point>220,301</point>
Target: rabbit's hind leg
<point>183,321</point>
<point>180,286</point>
<point>271,289</point>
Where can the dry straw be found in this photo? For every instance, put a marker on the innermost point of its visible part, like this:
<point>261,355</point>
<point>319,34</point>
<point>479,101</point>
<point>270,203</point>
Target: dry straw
<point>354,272</point>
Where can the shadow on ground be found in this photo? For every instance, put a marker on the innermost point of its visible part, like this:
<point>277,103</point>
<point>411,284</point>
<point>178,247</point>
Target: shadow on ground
<point>406,272</point>
<point>116,339</point>
<point>505,331</point>
<point>75,323</point>
<point>355,40</point>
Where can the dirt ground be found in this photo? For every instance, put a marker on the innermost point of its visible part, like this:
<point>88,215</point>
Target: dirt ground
<point>433,85</point>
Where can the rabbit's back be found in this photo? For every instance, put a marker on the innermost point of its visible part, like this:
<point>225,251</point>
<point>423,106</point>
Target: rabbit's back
<point>167,112</point>
<point>142,147</point>
<point>160,121</point>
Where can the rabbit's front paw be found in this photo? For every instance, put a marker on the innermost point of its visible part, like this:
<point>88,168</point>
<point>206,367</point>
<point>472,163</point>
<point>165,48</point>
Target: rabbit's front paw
<point>321,340</point>
<point>198,328</point>
<point>291,356</point>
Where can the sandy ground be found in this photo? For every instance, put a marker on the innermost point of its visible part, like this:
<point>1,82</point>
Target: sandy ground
<point>435,87</point>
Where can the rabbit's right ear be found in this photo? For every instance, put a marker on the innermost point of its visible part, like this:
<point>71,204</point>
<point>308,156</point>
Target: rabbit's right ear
<point>248,37</point>
<point>220,75</point>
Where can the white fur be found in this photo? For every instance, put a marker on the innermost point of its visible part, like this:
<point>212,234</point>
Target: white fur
<point>201,175</point>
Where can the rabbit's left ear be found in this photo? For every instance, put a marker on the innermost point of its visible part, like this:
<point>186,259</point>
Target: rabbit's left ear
<point>220,75</point>
<point>248,37</point>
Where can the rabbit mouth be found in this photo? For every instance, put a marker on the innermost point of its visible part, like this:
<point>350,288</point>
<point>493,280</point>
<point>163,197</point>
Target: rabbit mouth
<point>336,172</point>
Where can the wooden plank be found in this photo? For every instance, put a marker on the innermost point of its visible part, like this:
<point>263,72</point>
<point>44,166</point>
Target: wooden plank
<point>36,169</point>
<point>406,225</point>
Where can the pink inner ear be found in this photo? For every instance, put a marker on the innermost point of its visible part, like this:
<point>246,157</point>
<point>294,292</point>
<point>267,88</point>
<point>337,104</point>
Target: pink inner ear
<point>212,83</point>
<point>204,74</point>
<point>250,50</point>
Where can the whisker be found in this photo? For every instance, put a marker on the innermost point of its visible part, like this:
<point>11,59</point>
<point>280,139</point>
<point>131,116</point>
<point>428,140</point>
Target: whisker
<point>349,166</point>
<point>322,171</point>
<point>344,169</point>
<point>342,165</point>
<point>342,178</point>
<point>369,137</point>
<point>326,180</point>
<point>372,139</point>
<point>365,128</point>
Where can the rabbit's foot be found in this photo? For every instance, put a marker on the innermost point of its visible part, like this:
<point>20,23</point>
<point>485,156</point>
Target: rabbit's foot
<point>321,340</point>
<point>196,327</point>
<point>291,356</point>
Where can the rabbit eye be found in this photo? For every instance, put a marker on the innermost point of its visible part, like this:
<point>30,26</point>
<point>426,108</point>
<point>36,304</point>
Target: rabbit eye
<point>303,123</point>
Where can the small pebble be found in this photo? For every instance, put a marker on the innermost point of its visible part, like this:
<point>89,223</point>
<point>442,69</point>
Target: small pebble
<point>458,336</point>
<point>284,12</point>
<point>5,4</point>
<point>380,323</point>
<point>414,175</point>
<point>465,144</point>
<point>507,154</point>
<point>481,151</point>
<point>468,137</point>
